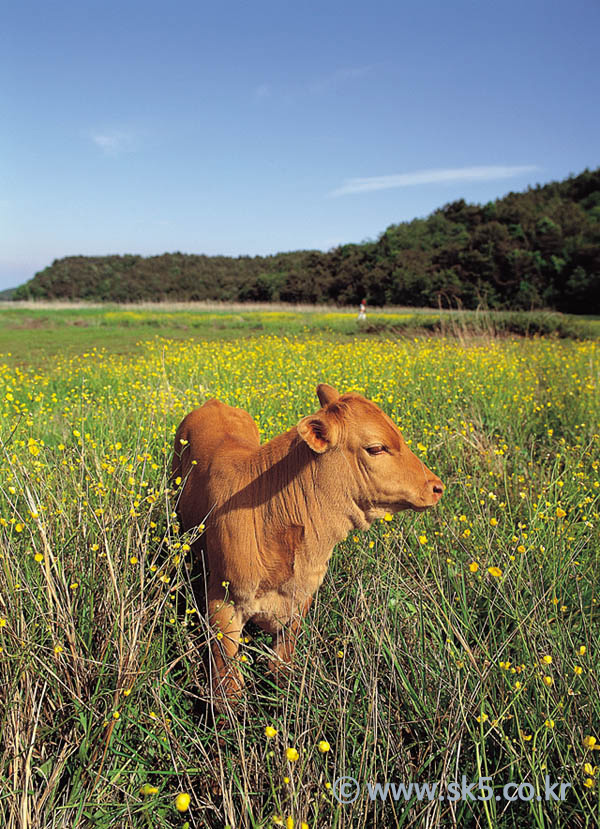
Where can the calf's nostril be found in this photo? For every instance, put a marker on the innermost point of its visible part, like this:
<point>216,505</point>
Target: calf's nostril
<point>438,489</point>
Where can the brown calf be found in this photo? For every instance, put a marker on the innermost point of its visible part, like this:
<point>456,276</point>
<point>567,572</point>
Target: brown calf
<point>274,512</point>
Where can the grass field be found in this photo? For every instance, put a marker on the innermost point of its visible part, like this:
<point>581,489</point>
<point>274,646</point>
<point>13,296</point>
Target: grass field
<point>463,641</point>
<point>39,330</point>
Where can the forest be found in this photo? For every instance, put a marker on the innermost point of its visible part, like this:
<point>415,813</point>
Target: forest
<point>534,249</point>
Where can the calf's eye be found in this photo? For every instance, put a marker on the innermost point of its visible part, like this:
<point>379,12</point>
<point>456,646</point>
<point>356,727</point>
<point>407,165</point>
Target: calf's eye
<point>376,449</point>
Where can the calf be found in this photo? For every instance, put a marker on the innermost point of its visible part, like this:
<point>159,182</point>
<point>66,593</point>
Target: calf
<point>274,512</point>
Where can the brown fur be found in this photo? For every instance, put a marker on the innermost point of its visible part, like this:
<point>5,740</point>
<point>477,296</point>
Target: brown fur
<point>273,513</point>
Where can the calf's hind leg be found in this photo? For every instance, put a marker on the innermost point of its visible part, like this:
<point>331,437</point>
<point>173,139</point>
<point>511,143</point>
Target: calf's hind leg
<point>227,623</point>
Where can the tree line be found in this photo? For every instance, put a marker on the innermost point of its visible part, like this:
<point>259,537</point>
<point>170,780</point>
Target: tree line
<point>535,249</point>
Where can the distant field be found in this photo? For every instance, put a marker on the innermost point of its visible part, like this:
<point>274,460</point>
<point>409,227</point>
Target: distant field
<point>35,330</point>
<point>463,641</point>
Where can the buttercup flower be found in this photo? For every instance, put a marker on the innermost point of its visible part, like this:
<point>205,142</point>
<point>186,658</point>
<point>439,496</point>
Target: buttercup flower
<point>182,802</point>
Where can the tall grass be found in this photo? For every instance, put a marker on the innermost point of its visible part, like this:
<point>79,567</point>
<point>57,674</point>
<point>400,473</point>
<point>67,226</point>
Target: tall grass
<point>425,655</point>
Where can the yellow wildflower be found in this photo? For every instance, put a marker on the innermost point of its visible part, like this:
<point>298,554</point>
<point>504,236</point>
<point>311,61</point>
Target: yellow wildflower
<point>182,802</point>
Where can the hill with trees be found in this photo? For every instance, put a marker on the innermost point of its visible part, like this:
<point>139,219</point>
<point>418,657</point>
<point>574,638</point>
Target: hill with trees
<point>539,248</point>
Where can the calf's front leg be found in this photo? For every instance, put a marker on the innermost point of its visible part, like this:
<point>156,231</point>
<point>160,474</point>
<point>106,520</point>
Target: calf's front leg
<point>285,642</point>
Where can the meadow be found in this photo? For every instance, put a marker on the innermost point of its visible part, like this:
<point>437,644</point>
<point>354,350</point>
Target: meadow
<point>461,641</point>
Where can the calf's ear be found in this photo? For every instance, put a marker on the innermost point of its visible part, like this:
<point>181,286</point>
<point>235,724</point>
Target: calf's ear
<point>327,394</point>
<point>319,432</point>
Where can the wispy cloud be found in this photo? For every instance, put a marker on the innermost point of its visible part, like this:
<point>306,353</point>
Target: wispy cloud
<point>114,142</point>
<point>338,78</point>
<point>262,91</point>
<point>323,85</point>
<point>460,174</point>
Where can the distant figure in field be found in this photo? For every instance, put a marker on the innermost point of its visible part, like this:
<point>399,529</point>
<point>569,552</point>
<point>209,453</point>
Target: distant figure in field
<point>362,311</point>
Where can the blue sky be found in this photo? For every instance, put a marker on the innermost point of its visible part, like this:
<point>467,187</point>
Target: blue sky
<point>261,127</point>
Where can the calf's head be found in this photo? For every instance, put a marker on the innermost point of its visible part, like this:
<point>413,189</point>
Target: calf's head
<point>374,461</point>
